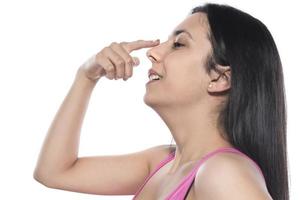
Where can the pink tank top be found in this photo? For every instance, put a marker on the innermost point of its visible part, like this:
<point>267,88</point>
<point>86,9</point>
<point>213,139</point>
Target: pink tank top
<point>181,190</point>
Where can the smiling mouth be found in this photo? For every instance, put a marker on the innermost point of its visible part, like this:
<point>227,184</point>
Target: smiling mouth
<point>154,78</point>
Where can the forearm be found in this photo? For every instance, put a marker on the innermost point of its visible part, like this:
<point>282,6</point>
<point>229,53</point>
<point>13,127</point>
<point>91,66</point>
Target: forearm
<point>60,147</point>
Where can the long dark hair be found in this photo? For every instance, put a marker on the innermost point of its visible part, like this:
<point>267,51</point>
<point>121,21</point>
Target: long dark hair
<point>254,117</point>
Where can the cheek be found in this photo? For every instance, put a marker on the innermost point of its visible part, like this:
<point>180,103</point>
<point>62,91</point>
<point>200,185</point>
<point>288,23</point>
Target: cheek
<point>185,77</point>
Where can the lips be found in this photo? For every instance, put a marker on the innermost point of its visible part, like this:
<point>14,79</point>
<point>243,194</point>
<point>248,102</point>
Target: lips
<point>152,71</point>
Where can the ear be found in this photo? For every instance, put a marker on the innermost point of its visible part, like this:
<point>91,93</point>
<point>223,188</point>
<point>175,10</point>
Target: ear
<point>220,79</point>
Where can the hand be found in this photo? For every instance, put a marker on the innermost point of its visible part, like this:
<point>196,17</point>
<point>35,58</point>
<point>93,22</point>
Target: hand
<point>114,60</point>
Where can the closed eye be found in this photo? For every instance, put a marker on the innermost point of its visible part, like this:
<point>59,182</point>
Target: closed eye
<point>176,45</point>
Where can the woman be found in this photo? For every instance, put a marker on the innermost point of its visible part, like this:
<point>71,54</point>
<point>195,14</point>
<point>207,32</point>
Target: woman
<point>217,83</point>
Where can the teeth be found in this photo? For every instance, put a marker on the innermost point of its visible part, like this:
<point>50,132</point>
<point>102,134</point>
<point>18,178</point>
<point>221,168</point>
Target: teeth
<point>154,77</point>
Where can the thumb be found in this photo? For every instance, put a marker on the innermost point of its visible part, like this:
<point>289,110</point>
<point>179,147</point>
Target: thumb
<point>136,61</point>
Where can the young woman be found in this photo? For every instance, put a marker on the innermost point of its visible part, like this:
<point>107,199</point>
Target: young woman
<point>218,85</point>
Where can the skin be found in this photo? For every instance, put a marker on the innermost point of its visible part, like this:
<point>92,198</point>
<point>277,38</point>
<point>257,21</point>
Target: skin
<point>185,100</point>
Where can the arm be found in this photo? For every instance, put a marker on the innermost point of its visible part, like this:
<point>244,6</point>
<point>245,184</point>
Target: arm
<point>58,165</point>
<point>60,147</point>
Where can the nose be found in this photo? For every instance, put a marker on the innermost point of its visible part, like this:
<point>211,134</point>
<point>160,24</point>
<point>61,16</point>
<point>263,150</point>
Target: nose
<point>151,57</point>
<point>153,54</point>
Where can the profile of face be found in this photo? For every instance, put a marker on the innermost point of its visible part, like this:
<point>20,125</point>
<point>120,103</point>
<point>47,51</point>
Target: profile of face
<point>181,61</point>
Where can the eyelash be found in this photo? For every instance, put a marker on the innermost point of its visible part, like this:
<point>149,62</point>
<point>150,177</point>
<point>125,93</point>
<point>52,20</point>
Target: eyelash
<point>176,45</point>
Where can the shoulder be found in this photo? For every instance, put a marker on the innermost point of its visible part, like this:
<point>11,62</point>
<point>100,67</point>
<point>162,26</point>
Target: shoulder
<point>230,176</point>
<point>158,153</point>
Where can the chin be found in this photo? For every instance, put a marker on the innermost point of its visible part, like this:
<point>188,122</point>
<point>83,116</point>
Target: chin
<point>153,100</point>
<point>150,100</point>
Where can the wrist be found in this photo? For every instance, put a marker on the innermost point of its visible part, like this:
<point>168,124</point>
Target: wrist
<point>82,77</point>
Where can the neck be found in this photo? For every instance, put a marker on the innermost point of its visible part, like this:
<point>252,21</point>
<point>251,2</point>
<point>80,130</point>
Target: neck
<point>195,132</point>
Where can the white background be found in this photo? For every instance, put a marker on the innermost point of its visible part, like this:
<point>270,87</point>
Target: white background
<point>42,43</point>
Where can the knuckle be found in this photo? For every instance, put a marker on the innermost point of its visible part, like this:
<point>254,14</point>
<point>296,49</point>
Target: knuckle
<point>113,44</point>
<point>127,76</point>
<point>120,73</point>
<point>99,55</point>
<point>129,61</point>
<point>109,76</point>
<point>109,68</point>
<point>116,76</point>
<point>120,62</point>
<point>123,43</point>
<point>105,49</point>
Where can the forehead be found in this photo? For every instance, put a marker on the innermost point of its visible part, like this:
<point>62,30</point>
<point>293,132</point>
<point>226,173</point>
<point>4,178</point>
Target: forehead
<point>196,24</point>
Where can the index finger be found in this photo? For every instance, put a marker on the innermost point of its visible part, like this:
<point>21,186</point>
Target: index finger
<point>139,44</point>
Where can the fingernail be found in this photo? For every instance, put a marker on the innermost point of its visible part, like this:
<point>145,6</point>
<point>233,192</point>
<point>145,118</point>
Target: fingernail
<point>155,41</point>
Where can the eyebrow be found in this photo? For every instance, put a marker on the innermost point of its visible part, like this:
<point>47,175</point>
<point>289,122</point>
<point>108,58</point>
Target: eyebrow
<point>177,32</point>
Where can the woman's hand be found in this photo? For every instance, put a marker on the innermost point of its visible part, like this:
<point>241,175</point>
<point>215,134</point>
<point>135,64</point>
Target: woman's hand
<point>114,61</point>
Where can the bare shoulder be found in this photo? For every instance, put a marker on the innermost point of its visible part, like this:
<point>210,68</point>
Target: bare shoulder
<point>158,153</point>
<point>230,176</point>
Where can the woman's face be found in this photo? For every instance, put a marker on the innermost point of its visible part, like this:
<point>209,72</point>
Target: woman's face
<point>181,65</point>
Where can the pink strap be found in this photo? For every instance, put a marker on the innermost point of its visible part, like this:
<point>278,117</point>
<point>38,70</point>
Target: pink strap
<point>180,191</point>
<point>160,165</point>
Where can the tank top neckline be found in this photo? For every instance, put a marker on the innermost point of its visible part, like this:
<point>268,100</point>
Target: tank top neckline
<point>194,169</point>
<point>190,175</point>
